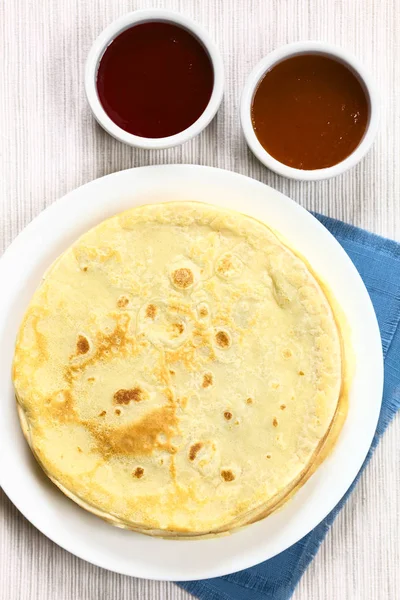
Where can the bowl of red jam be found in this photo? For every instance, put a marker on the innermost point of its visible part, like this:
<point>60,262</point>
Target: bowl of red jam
<point>154,79</point>
<point>309,111</point>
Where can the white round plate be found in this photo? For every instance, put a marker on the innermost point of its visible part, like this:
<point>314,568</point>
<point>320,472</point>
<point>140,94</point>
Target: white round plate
<point>130,553</point>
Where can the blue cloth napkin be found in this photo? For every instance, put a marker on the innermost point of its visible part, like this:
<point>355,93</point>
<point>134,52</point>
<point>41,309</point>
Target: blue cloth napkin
<point>378,262</point>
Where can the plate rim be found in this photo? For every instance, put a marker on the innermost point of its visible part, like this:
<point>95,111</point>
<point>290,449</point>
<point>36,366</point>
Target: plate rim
<point>36,224</point>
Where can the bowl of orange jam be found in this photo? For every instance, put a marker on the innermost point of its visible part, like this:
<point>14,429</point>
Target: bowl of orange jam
<point>309,111</point>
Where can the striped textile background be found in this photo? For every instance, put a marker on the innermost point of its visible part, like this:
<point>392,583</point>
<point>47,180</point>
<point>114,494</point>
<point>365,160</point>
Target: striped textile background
<point>49,144</point>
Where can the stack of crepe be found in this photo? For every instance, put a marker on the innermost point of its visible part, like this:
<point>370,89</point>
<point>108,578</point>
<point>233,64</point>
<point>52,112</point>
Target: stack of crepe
<point>180,371</point>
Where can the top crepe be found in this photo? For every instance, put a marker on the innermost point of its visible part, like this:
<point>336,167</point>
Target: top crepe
<point>179,370</point>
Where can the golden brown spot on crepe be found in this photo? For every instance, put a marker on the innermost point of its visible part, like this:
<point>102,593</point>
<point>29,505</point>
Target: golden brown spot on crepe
<point>172,468</point>
<point>203,312</point>
<point>249,401</point>
<point>207,380</point>
<point>84,269</point>
<point>151,311</point>
<point>275,422</point>
<point>224,265</point>
<point>172,372</point>
<point>180,308</point>
<point>228,266</point>
<point>197,339</point>
<point>224,317</point>
<point>82,345</point>
<point>103,413</point>
<point>301,373</point>
<point>287,353</point>
<point>169,395</point>
<point>188,354</point>
<point>91,379</point>
<point>183,278</point>
<point>228,415</point>
<point>122,302</point>
<point>268,456</point>
<point>222,339</point>
<point>126,396</point>
<point>178,327</point>
<point>194,450</point>
<point>116,341</point>
<point>117,411</point>
<point>79,449</point>
<point>282,406</point>
<point>183,402</point>
<point>139,438</point>
<point>68,375</point>
<point>61,405</point>
<point>227,475</point>
<point>138,472</point>
<point>160,371</point>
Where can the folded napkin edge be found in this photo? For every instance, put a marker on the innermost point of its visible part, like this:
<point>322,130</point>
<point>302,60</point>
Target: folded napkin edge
<point>357,234</point>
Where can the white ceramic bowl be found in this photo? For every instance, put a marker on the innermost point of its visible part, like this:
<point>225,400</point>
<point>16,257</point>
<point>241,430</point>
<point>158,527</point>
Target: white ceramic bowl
<point>105,39</point>
<point>296,49</point>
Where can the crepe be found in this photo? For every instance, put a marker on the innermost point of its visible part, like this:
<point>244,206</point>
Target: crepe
<point>180,371</point>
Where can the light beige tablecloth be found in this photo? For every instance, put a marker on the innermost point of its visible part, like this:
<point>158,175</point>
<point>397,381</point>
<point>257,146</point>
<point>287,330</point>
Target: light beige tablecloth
<point>49,144</point>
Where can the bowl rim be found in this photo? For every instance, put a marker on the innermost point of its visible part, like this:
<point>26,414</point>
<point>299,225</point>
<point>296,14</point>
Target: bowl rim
<point>295,49</point>
<point>116,28</point>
